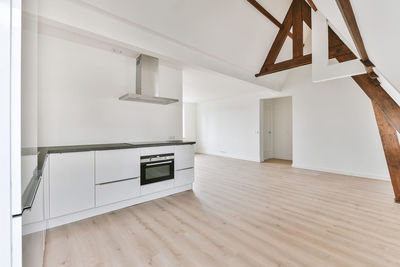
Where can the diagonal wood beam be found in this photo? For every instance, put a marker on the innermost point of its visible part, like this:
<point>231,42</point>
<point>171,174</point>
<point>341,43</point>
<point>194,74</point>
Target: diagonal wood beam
<point>263,11</point>
<point>391,148</point>
<point>387,114</point>
<point>297,28</point>
<point>348,14</point>
<point>279,39</point>
<point>337,49</point>
<point>285,65</point>
<point>350,19</point>
<point>382,99</point>
<point>312,5</point>
<point>306,13</point>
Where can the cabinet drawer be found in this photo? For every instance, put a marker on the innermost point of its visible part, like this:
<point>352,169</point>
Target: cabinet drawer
<point>184,157</point>
<point>146,151</point>
<point>114,165</point>
<point>156,187</point>
<point>117,191</point>
<point>184,177</point>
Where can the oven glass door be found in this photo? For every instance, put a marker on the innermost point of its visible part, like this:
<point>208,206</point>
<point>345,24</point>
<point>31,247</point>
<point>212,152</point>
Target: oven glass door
<point>156,172</point>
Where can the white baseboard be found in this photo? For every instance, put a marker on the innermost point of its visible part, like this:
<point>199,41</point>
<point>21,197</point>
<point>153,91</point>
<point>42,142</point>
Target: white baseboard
<point>349,173</point>
<point>226,155</point>
<point>54,222</point>
<point>33,227</point>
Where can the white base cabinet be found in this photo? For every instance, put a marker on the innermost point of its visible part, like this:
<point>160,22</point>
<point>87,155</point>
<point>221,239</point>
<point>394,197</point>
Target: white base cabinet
<point>71,182</point>
<point>184,177</point>
<point>184,157</point>
<point>117,191</point>
<point>79,185</point>
<point>156,187</point>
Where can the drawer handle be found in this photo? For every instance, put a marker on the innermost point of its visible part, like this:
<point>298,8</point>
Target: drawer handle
<point>185,169</point>
<point>122,180</point>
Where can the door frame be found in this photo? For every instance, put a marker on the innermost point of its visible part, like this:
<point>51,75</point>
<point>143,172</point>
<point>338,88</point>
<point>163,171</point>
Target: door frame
<point>261,125</point>
<point>271,128</point>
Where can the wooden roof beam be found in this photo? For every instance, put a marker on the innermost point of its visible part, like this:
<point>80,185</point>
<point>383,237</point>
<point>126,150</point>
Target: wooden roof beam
<point>350,19</point>
<point>268,15</point>
<point>285,65</point>
<point>297,28</point>
<point>387,112</point>
<point>279,40</point>
<point>312,5</point>
<point>348,14</point>
<point>391,148</point>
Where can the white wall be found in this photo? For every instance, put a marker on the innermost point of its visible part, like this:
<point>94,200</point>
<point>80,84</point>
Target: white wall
<point>229,127</point>
<point>78,97</point>
<point>190,121</point>
<point>334,127</point>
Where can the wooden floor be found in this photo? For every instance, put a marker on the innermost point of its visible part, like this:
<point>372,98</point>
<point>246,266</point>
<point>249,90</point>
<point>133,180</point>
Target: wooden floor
<point>243,213</point>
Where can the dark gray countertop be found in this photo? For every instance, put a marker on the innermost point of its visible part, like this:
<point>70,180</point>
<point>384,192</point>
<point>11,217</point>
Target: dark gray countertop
<point>44,151</point>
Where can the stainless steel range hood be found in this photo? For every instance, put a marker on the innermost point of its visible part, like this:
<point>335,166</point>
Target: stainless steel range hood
<point>147,85</point>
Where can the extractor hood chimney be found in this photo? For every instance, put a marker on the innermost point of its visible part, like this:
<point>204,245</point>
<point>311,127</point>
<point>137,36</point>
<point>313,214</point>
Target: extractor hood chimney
<point>147,85</point>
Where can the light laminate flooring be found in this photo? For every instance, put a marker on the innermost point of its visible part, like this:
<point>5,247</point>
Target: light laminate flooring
<point>243,213</point>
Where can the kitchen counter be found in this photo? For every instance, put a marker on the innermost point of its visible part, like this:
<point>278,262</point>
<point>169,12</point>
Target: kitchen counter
<point>109,178</point>
<point>44,151</point>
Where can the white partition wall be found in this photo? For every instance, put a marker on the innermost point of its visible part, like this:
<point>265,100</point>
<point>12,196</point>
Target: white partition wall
<point>324,69</point>
<point>5,194</point>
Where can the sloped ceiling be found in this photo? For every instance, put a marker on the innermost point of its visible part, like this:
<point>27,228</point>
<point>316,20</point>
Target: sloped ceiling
<point>232,31</point>
<point>380,30</point>
<point>202,86</point>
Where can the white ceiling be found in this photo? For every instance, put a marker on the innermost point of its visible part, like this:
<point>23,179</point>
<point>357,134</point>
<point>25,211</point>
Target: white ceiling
<point>202,86</point>
<point>234,36</point>
<point>231,31</point>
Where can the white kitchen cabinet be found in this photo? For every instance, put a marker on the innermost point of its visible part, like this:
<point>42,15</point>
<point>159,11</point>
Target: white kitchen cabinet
<point>114,165</point>
<point>71,182</point>
<point>117,191</point>
<point>184,157</point>
<point>184,177</point>
<point>156,187</point>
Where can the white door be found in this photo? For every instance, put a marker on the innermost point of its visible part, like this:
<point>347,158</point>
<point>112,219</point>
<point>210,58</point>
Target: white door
<point>267,131</point>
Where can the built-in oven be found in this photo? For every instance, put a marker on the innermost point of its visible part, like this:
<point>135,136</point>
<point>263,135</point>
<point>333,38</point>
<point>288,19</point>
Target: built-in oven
<point>156,168</point>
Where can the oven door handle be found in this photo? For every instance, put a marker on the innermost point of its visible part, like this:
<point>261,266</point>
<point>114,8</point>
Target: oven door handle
<point>158,163</point>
